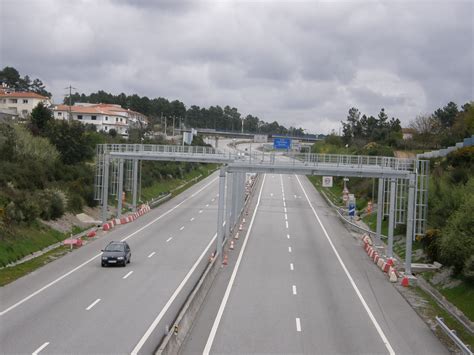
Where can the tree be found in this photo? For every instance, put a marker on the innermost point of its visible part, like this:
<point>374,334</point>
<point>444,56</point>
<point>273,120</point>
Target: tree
<point>447,114</point>
<point>71,140</point>
<point>40,117</point>
<point>10,77</point>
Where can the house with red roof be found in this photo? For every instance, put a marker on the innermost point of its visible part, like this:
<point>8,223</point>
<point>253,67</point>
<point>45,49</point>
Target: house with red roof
<point>19,104</point>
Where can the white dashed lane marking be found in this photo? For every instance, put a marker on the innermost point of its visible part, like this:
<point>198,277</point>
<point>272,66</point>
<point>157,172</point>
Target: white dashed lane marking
<point>292,267</point>
<point>298,325</point>
<point>181,228</point>
<point>37,351</point>
<point>294,290</point>
<point>167,240</point>
<point>153,253</point>
<point>128,274</point>
<point>289,249</point>
<point>192,219</point>
<point>93,304</point>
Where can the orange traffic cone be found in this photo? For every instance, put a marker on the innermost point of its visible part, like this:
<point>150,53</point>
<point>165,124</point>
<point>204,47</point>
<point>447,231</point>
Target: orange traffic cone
<point>240,227</point>
<point>236,236</point>
<point>226,260</point>
<point>231,245</point>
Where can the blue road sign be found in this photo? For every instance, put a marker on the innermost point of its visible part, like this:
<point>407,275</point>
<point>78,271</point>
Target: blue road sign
<point>352,209</point>
<point>282,143</point>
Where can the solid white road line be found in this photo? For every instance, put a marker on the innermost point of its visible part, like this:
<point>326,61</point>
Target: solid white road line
<point>181,228</point>
<point>153,253</point>
<point>294,290</point>
<point>93,304</point>
<point>351,280</point>
<point>292,267</point>
<point>284,204</point>
<point>158,318</point>
<point>212,335</point>
<point>96,256</point>
<point>37,351</point>
<point>128,274</point>
<point>298,325</point>
<point>192,219</point>
<point>167,240</point>
<point>284,208</point>
<point>289,249</point>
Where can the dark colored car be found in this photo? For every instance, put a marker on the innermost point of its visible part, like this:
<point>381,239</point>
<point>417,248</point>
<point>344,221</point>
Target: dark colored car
<point>116,253</point>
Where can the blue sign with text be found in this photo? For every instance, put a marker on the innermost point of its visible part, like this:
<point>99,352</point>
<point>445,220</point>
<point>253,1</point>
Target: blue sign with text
<point>282,143</point>
<point>352,209</point>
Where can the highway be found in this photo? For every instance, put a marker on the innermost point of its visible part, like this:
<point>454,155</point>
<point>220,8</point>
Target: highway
<point>298,282</point>
<point>72,305</point>
<point>301,283</point>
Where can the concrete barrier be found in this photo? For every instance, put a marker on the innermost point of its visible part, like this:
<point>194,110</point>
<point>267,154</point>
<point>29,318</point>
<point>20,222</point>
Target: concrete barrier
<point>172,342</point>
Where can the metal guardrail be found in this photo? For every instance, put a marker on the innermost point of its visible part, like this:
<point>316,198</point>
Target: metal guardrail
<point>452,334</point>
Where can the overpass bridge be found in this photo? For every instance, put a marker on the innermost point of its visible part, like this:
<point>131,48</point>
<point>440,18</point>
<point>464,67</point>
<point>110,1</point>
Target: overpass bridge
<point>240,135</point>
<point>402,187</point>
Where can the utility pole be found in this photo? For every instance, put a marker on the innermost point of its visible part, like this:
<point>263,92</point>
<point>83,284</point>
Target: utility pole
<point>243,125</point>
<point>173,126</point>
<point>70,100</point>
<point>166,121</point>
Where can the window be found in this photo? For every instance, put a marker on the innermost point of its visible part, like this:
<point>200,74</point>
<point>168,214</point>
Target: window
<point>120,120</point>
<point>24,112</point>
<point>116,119</point>
<point>93,118</point>
<point>13,101</point>
<point>25,101</point>
<point>106,128</point>
<point>79,117</point>
<point>4,101</point>
<point>60,113</point>
<point>106,118</point>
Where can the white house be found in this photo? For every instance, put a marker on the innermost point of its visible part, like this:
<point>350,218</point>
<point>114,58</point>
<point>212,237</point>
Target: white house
<point>104,116</point>
<point>20,103</point>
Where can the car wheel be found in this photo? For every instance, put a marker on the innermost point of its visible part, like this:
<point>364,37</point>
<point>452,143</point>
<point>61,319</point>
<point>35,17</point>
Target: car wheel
<point>124,263</point>
<point>103,265</point>
<point>130,258</point>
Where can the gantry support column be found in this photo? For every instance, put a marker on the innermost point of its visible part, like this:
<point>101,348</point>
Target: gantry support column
<point>228,204</point>
<point>105,187</point>
<point>120,189</point>
<point>410,222</point>
<point>391,217</point>
<point>220,212</point>
<point>378,229</point>
<point>135,184</point>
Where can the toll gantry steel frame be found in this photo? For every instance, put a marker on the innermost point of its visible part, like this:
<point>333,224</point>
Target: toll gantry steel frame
<point>402,189</point>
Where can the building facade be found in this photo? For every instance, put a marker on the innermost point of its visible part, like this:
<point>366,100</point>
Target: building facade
<point>105,117</point>
<point>19,104</point>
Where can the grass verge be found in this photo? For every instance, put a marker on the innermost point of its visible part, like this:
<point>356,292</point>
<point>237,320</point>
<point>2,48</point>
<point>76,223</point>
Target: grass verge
<point>9,274</point>
<point>25,240</point>
<point>433,309</point>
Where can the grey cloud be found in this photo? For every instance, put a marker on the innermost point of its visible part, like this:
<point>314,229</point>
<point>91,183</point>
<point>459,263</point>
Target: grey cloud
<point>294,62</point>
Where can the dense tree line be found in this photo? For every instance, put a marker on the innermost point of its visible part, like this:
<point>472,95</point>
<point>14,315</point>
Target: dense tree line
<point>161,109</point>
<point>444,127</point>
<point>11,77</point>
<point>361,129</point>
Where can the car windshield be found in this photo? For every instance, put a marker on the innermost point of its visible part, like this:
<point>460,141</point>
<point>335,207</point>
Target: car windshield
<point>114,247</point>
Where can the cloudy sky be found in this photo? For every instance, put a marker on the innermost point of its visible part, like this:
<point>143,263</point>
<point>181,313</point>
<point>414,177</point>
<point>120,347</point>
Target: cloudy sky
<point>302,63</point>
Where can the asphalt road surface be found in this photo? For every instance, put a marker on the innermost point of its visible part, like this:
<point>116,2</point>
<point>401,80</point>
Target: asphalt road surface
<point>301,283</point>
<point>73,305</point>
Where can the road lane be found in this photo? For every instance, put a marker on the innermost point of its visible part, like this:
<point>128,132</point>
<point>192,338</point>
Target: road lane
<point>127,306</point>
<point>324,314</point>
